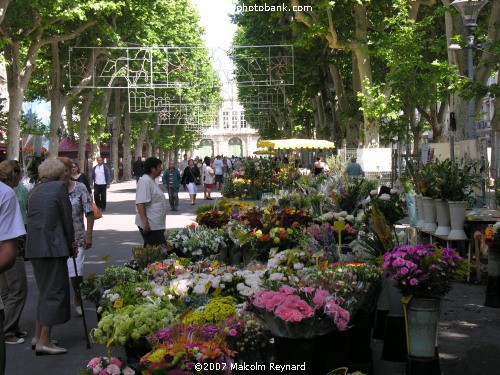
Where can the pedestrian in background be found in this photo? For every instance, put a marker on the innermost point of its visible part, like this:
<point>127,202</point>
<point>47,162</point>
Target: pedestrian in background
<point>171,179</point>
<point>151,205</point>
<point>11,228</point>
<point>191,173</point>
<point>353,169</point>
<point>81,205</point>
<point>50,242</point>
<point>77,176</point>
<point>219,174</point>
<point>138,168</point>
<point>208,179</point>
<point>101,179</point>
<point>13,282</point>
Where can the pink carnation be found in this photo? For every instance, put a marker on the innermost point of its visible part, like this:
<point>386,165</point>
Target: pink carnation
<point>287,289</point>
<point>307,289</point>
<point>104,372</point>
<point>128,371</point>
<point>232,332</point>
<point>93,362</point>
<point>338,314</point>
<point>115,361</point>
<point>320,297</point>
<point>113,369</point>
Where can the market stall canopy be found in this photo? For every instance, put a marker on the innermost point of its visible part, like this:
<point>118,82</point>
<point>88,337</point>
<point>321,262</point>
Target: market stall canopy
<point>264,152</point>
<point>296,144</point>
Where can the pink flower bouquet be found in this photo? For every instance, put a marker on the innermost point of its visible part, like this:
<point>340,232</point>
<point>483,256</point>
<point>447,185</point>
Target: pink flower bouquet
<point>300,312</point>
<point>106,366</point>
<point>423,271</point>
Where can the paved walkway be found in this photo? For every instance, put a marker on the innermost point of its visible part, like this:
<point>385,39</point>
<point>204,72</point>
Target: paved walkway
<point>468,337</point>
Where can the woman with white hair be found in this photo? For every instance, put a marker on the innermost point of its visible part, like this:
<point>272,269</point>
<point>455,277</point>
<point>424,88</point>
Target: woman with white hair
<point>49,243</point>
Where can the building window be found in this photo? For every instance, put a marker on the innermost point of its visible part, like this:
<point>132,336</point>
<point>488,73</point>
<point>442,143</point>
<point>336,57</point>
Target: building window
<point>234,121</point>
<point>243,122</point>
<point>225,119</point>
<point>235,147</point>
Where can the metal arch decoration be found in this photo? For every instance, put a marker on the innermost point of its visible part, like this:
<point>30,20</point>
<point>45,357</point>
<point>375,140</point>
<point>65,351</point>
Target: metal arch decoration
<point>171,66</point>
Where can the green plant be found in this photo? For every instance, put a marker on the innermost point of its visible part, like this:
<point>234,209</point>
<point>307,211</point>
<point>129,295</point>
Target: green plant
<point>133,322</point>
<point>455,181</point>
<point>146,255</point>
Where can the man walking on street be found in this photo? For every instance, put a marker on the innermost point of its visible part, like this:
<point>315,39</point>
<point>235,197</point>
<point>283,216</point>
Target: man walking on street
<point>219,174</point>
<point>138,168</point>
<point>172,180</point>
<point>101,179</point>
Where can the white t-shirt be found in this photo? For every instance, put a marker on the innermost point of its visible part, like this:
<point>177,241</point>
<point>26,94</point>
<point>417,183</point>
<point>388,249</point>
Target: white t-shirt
<point>100,177</point>
<point>11,225</point>
<point>218,166</point>
<point>150,193</point>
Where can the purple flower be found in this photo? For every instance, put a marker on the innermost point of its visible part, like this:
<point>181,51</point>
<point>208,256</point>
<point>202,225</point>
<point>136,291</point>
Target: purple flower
<point>413,282</point>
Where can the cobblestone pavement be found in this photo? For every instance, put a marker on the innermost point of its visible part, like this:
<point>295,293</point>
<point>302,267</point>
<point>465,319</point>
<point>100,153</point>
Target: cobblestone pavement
<point>468,337</point>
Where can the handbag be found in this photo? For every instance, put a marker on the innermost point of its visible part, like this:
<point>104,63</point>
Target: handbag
<point>197,180</point>
<point>97,211</point>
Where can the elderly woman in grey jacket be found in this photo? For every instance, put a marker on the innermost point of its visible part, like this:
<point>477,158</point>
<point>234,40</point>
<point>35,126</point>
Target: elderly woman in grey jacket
<point>49,243</point>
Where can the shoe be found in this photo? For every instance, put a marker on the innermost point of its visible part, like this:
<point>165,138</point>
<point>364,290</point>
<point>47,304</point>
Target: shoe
<point>14,340</point>
<point>34,342</point>
<point>41,350</point>
<point>21,334</point>
<point>78,310</point>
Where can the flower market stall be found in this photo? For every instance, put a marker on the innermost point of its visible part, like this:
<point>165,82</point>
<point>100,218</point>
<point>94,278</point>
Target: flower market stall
<point>292,280</point>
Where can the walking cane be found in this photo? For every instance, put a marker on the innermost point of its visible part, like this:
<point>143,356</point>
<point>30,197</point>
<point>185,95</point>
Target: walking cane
<point>79,295</point>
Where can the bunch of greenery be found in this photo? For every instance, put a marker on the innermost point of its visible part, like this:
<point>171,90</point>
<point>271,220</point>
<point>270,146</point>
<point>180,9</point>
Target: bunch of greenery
<point>144,255</point>
<point>455,181</point>
<point>93,286</point>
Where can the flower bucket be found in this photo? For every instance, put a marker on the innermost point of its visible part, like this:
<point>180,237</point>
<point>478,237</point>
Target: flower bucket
<point>443,218</point>
<point>429,214</point>
<point>395,336</point>
<point>420,211</point>
<point>422,318</point>
<point>457,220</point>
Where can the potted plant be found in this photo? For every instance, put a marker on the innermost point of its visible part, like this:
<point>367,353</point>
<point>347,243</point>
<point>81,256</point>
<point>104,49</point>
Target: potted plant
<point>456,184</point>
<point>443,170</point>
<point>429,191</point>
<point>424,275</point>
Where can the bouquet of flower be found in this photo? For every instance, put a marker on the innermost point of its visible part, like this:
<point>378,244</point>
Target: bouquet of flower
<point>106,366</point>
<point>355,283</point>
<point>94,286</point>
<point>186,349</point>
<point>133,322</point>
<point>423,271</point>
<point>300,312</point>
<point>199,242</point>
<point>392,206</point>
<point>212,218</point>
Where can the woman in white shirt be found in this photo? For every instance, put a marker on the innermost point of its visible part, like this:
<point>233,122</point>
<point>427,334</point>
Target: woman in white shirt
<point>151,205</point>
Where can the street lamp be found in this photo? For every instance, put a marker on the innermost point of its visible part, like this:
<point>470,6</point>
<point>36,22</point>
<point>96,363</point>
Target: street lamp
<point>110,119</point>
<point>469,10</point>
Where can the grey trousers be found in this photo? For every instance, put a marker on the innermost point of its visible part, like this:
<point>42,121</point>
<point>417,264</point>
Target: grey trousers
<point>173,198</point>
<point>14,290</point>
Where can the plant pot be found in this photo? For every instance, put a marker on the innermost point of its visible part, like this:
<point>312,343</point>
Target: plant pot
<point>443,218</point>
<point>394,348</point>
<point>457,220</point>
<point>429,214</point>
<point>420,211</point>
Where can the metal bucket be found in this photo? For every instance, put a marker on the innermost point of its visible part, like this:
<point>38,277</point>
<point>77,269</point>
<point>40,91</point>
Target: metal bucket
<point>423,318</point>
